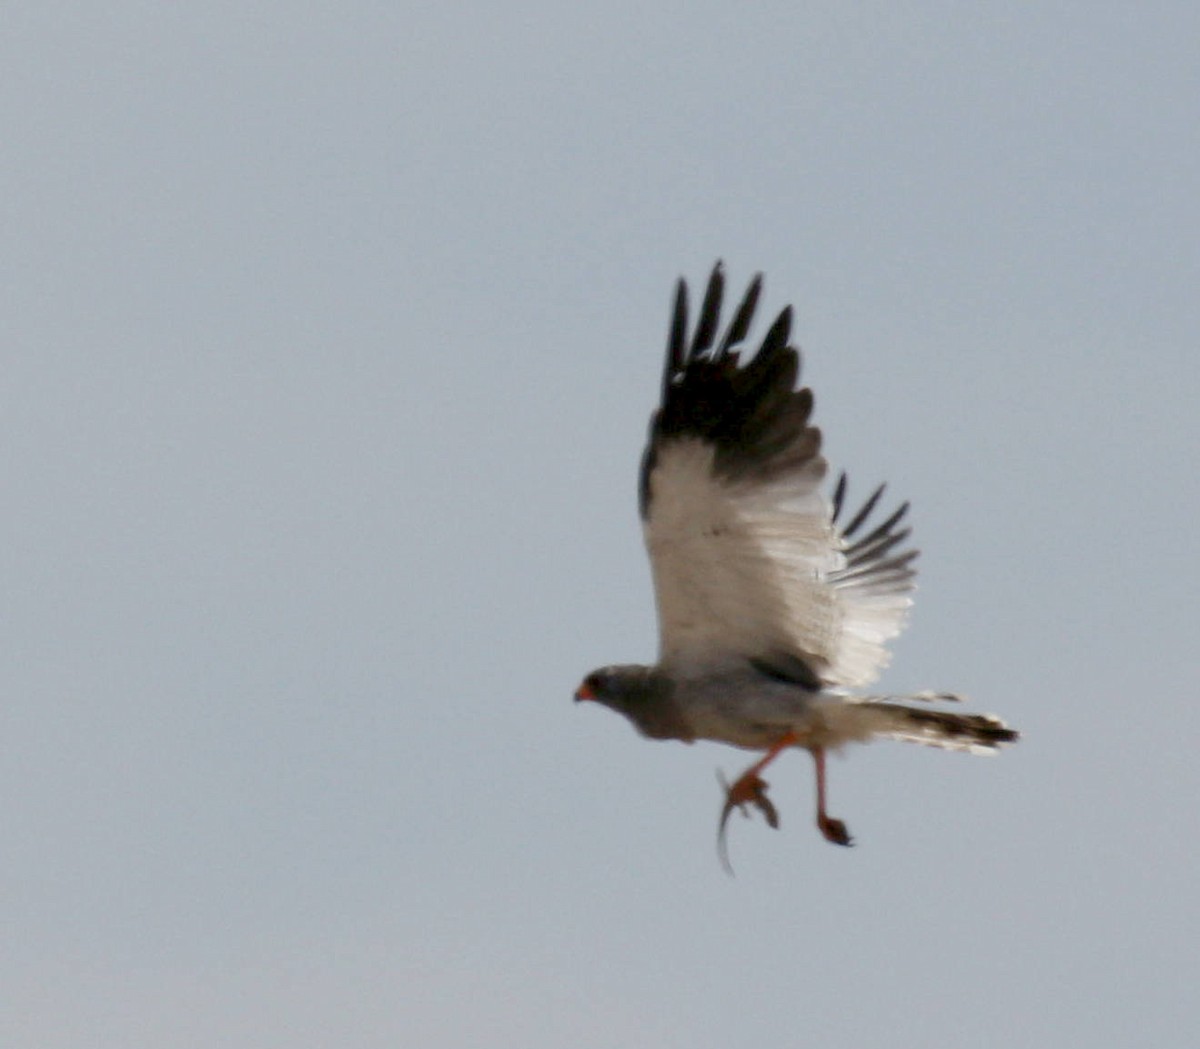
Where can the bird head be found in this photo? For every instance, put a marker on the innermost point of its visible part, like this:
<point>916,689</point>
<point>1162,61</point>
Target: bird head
<point>640,693</point>
<point>608,685</point>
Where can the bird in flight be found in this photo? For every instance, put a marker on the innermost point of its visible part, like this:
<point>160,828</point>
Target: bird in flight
<point>775,606</point>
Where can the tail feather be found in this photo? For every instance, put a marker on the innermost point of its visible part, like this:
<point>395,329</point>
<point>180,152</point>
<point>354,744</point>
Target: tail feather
<point>978,733</point>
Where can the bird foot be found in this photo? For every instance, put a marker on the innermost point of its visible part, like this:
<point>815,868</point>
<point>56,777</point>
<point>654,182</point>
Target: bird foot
<point>747,789</point>
<point>834,830</point>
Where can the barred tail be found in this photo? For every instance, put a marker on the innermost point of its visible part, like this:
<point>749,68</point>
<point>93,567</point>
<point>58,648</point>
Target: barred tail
<point>978,733</point>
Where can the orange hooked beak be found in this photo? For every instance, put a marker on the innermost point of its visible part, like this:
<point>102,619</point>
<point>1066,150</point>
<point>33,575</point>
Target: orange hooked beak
<point>584,691</point>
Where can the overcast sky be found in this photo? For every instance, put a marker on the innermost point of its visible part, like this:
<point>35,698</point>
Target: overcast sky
<point>330,333</point>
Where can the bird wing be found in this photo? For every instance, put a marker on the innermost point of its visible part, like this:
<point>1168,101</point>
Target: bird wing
<point>749,558</point>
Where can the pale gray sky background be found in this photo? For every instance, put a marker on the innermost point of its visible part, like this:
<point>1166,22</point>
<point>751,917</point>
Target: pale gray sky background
<point>329,336</point>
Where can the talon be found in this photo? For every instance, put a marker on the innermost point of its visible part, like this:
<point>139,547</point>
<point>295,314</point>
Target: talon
<point>834,831</point>
<point>748,789</point>
<point>767,808</point>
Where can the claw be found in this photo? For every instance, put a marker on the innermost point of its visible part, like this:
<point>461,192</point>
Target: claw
<point>834,831</point>
<point>750,789</point>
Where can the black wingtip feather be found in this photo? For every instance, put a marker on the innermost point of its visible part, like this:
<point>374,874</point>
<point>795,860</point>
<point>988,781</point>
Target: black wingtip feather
<point>740,325</point>
<point>776,339</point>
<point>839,497</point>
<point>874,550</point>
<point>710,313</point>
<point>677,339</point>
<point>858,519</point>
<point>879,531</point>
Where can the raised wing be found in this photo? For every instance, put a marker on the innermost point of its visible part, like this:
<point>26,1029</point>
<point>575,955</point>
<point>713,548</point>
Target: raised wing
<point>749,558</point>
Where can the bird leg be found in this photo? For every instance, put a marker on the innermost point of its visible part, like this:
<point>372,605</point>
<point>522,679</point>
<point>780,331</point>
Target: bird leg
<point>833,830</point>
<point>750,788</point>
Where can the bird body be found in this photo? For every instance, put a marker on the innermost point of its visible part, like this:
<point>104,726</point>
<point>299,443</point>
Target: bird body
<point>773,611</point>
<point>747,707</point>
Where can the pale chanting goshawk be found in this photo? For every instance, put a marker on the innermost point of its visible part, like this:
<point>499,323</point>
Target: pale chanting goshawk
<point>773,605</point>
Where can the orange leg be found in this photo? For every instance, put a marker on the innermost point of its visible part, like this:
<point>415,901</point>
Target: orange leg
<point>751,789</point>
<point>833,830</point>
